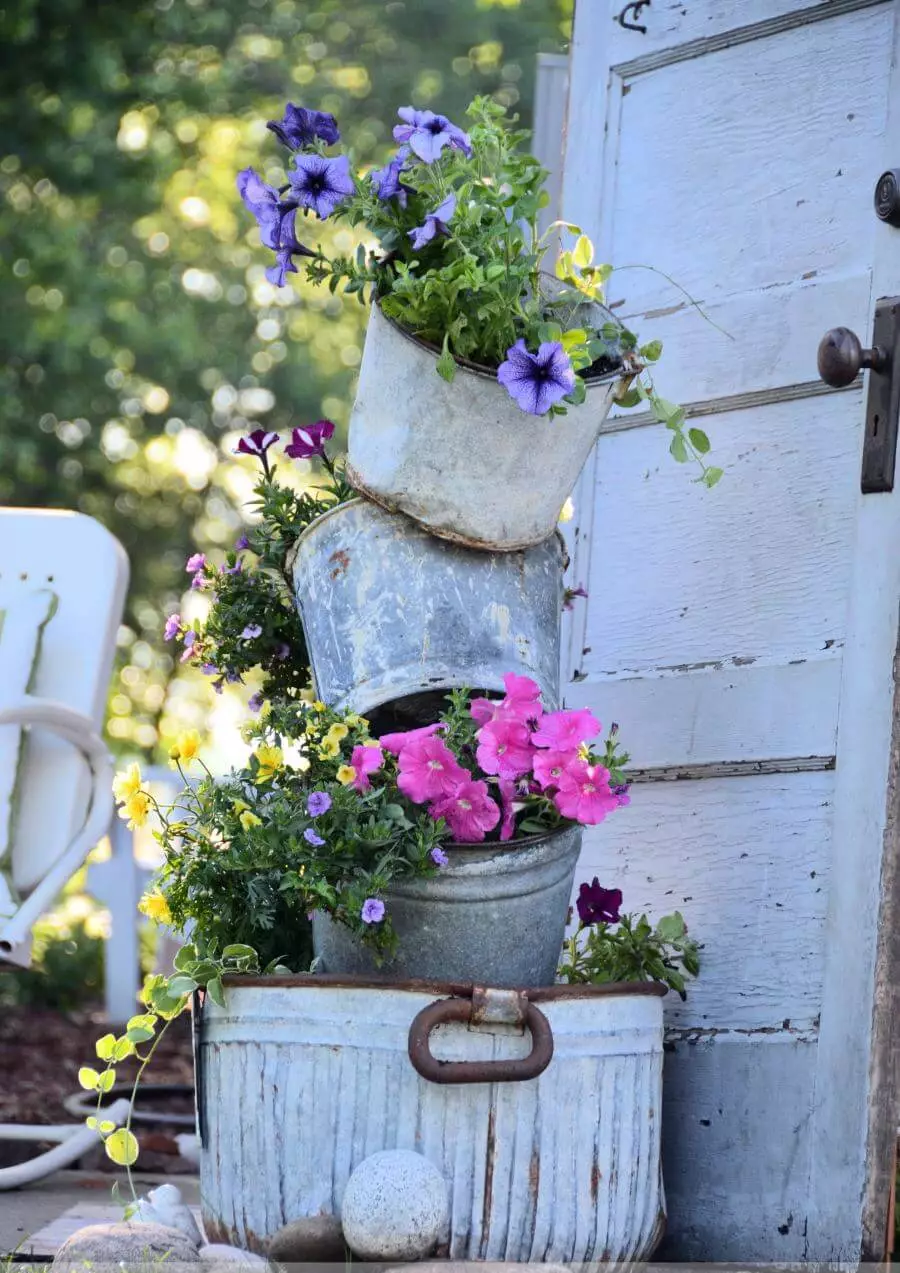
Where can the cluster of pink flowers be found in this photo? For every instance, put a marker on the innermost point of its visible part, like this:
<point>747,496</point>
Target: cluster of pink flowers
<point>528,750</point>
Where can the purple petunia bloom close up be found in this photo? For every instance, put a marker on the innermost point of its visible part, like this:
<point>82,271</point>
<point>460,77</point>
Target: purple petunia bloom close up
<point>172,628</point>
<point>321,184</point>
<point>536,381</point>
<point>372,911</point>
<point>301,126</point>
<point>386,181</point>
<point>313,837</point>
<point>427,134</point>
<point>597,905</point>
<point>319,802</point>
<point>256,443</point>
<point>435,223</point>
<point>310,440</point>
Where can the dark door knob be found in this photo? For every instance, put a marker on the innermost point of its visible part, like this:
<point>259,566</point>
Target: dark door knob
<point>841,357</point>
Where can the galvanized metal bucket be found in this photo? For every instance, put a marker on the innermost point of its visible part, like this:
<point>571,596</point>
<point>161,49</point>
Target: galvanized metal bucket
<point>394,616</point>
<point>462,459</point>
<point>496,914</point>
<point>541,1111</point>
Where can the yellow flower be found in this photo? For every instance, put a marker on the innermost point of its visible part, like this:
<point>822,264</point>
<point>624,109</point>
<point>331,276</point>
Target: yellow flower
<point>155,907</point>
<point>356,722</point>
<point>249,819</point>
<point>248,730</point>
<point>189,745</point>
<point>136,809</point>
<point>127,783</point>
<point>270,761</point>
<point>239,805</point>
<point>265,708</point>
<point>330,748</point>
<point>338,732</point>
<point>567,512</point>
<point>318,706</point>
<point>584,751</point>
<point>346,774</point>
<point>370,742</point>
<point>307,697</point>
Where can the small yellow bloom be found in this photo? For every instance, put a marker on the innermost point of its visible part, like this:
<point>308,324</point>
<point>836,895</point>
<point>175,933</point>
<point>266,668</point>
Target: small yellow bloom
<point>127,783</point>
<point>270,760</point>
<point>136,809</point>
<point>248,730</point>
<point>567,512</point>
<point>318,706</point>
<point>329,749</point>
<point>249,819</point>
<point>155,907</point>
<point>346,774</point>
<point>356,722</point>
<point>265,708</point>
<point>308,697</point>
<point>370,742</point>
<point>189,745</point>
<point>338,732</point>
<point>584,751</point>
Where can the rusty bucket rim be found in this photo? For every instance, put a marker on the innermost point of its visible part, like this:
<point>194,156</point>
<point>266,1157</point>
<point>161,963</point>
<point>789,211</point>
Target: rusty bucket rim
<point>455,989</point>
<point>626,368</point>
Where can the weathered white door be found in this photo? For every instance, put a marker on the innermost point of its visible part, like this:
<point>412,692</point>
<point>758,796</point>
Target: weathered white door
<point>744,637</point>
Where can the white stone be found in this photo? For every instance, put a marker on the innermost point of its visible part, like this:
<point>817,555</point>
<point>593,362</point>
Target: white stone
<point>395,1207</point>
<point>133,1246</point>
<point>165,1205</point>
<point>216,1253</point>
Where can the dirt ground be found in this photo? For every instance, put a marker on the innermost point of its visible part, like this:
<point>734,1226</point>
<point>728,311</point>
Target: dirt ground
<point>41,1052</point>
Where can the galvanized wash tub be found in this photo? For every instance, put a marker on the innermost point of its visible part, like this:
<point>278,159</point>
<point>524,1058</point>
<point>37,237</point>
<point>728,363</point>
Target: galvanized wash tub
<point>462,459</point>
<point>496,914</point>
<point>394,616</point>
<point>301,1078</point>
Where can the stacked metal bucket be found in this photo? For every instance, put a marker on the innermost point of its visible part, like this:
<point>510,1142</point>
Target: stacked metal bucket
<point>538,1103</point>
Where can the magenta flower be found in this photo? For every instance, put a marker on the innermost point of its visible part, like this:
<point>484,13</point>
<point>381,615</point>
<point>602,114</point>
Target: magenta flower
<point>372,911</point>
<point>251,632</point>
<point>429,770</point>
<point>505,749</point>
<point>365,760</point>
<point>435,223</point>
<point>310,441</point>
<point>621,794</point>
<point>321,184</point>
<point>507,802</point>
<point>257,443</point>
<point>439,857</point>
<point>427,134</point>
<point>469,812</point>
<point>522,702</point>
<point>566,730</point>
<point>319,802</point>
<point>584,794</point>
<point>300,127</point>
<point>395,743</point>
<point>172,628</point>
<point>550,765</point>
<point>598,905</point>
<point>536,381</point>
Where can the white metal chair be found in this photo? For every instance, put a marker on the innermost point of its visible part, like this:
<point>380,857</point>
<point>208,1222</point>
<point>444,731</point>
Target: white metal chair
<point>63,579</point>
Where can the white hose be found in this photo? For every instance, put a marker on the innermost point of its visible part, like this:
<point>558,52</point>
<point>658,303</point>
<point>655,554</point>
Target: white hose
<point>72,1148</point>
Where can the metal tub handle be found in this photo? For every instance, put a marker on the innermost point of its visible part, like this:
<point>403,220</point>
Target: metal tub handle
<point>507,1006</point>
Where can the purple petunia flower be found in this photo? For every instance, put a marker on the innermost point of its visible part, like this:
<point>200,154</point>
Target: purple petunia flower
<point>242,543</point>
<point>386,181</point>
<point>209,669</point>
<point>301,126</point>
<point>234,678</point>
<point>321,184</point>
<point>439,857</point>
<point>277,224</point>
<point>621,794</point>
<point>319,802</point>
<point>598,905</point>
<point>288,247</point>
<point>311,837</point>
<point>189,638</point>
<point>257,443</point>
<point>536,381</point>
<point>435,223</point>
<point>251,632</point>
<point>569,597</point>
<point>282,651</point>
<point>310,441</point>
<point>255,701</point>
<point>195,563</point>
<point>372,911</point>
<point>172,628</point>
<point>427,134</point>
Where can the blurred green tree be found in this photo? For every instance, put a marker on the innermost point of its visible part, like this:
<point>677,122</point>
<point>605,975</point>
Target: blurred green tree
<point>139,334</point>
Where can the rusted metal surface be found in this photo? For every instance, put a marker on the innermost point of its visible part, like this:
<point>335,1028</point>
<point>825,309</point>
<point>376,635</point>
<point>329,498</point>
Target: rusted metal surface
<point>462,459</point>
<point>513,1010</point>
<point>495,913</point>
<point>304,1077</point>
<point>393,615</point>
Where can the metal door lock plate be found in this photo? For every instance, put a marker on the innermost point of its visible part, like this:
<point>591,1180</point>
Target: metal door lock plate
<point>883,401</point>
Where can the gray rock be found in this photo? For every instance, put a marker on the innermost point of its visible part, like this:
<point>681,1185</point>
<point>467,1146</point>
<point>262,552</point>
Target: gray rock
<point>134,1245</point>
<point>395,1207</point>
<point>315,1240</point>
<point>230,1259</point>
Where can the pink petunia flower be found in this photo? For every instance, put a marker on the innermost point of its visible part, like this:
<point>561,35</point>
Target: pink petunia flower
<point>566,730</point>
<point>395,743</point>
<point>365,760</point>
<point>507,798</point>
<point>429,770</point>
<point>550,765</point>
<point>585,795</point>
<point>504,748</point>
<point>469,812</point>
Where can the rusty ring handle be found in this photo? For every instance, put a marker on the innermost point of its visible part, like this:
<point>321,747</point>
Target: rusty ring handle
<point>513,1070</point>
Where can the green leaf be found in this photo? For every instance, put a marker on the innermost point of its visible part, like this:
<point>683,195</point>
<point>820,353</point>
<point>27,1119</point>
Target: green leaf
<point>239,951</point>
<point>123,1047</point>
<point>578,393</point>
<point>671,927</point>
<point>181,986</point>
<point>446,364</point>
<point>144,1021</point>
<point>630,398</point>
<point>122,1147</point>
<point>106,1081</point>
<point>583,252</point>
<point>92,1124</point>
<point>651,351</point>
<point>89,1079</point>
<point>216,991</point>
<point>699,440</point>
<point>549,331</point>
<point>678,449</point>
<point>105,1047</point>
<point>574,336</point>
<point>712,476</point>
<point>106,1127</point>
<point>183,959</point>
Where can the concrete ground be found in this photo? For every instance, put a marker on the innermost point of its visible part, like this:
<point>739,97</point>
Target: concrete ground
<point>25,1212</point>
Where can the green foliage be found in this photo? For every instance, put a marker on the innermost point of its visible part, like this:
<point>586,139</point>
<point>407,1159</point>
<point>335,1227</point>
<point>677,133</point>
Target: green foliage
<point>631,950</point>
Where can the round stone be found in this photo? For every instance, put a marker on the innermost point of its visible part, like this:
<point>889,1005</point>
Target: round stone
<point>395,1207</point>
<point>132,1246</point>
